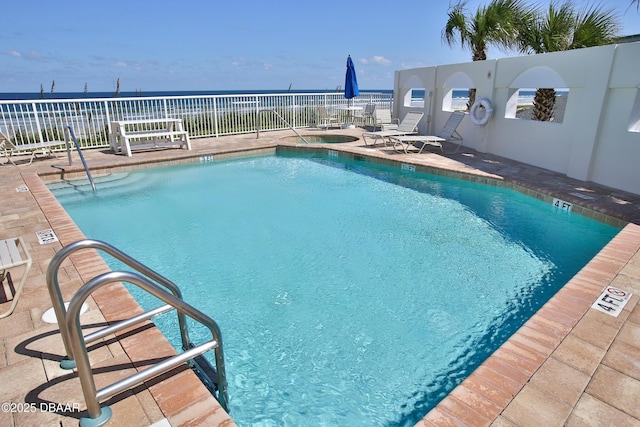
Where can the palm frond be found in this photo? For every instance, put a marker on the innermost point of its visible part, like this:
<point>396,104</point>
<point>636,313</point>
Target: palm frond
<point>456,26</point>
<point>497,23</point>
<point>594,26</point>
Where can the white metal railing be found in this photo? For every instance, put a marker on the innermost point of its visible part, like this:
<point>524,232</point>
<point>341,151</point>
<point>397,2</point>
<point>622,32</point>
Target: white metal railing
<point>43,120</point>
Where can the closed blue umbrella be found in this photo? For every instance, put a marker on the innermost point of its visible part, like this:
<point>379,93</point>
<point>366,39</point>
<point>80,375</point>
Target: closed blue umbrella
<point>351,82</point>
<point>350,86</point>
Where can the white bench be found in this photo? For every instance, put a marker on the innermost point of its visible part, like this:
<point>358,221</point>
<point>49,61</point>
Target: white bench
<point>130,135</point>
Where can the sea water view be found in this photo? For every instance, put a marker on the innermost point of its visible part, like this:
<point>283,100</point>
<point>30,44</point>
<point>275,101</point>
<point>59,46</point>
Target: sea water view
<point>526,96</point>
<point>17,96</point>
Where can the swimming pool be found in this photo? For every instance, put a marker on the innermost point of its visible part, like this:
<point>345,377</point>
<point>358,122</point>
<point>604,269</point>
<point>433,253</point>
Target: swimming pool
<point>344,298</point>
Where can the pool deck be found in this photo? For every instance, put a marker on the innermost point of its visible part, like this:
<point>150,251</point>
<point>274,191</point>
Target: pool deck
<point>568,365</point>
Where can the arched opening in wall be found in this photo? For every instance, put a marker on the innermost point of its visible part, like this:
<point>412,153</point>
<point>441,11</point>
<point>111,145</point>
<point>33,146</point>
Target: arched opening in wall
<point>541,104</point>
<point>413,93</point>
<point>538,93</point>
<point>634,121</point>
<point>415,98</point>
<point>457,99</point>
<point>459,92</point>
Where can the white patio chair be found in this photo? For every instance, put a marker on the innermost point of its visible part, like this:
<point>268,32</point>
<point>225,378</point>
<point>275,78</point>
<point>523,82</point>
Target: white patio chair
<point>407,126</point>
<point>10,257</point>
<point>448,133</point>
<point>383,120</point>
<point>326,120</point>
<point>9,148</point>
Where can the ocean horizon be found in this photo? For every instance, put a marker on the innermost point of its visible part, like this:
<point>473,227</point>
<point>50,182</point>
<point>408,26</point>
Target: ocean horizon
<point>25,96</point>
<point>459,96</point>
<point>22,96</point>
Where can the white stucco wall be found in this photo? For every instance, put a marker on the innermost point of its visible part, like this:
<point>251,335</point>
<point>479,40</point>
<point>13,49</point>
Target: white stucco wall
<point>592,143</point>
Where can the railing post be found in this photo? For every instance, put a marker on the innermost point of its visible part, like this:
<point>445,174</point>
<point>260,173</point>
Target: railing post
<point>107,115</point>
<point>294,113</point>
<point>257,102</point>
<point>37,120</point>
<point>215,115</point>
<point>258,124</point>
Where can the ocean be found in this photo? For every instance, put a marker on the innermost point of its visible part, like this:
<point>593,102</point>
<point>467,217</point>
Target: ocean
<point>459,96</point>
<point>19,96</point>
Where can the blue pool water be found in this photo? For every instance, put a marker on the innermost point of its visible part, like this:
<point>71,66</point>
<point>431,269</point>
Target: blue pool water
<point>347,293</point>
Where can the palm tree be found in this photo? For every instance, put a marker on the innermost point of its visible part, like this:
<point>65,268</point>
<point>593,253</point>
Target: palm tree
<point>495,24</point>
<point>564,28</point>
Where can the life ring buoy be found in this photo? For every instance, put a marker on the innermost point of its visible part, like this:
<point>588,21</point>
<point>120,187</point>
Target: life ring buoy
<point>476,117</point>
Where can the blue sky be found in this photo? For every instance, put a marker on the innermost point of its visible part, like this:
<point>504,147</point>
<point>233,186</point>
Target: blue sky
<point>226,45</point>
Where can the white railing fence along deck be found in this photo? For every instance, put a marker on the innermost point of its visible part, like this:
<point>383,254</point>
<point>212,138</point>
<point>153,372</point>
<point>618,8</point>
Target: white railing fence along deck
<point>34,121</point>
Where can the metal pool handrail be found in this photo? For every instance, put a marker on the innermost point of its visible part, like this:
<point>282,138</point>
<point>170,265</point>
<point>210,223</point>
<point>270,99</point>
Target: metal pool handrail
<point>84,163</point>
<point>75,343</point>
<point>259,123</point>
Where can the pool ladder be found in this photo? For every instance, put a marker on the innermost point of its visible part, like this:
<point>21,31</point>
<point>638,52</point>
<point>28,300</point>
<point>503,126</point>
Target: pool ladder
<point>150,281</point>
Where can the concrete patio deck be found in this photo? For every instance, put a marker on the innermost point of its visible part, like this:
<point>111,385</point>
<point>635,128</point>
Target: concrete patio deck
<point>568,365</point>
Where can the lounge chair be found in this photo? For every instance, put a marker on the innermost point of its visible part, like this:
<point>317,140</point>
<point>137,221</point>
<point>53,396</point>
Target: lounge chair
<point>447,134</point>
<point>10,257</point>
<point>407,126</point>
<point>368,114</point>
<point>326,120</point>
<point>384,121</point>
<point>9,148</point>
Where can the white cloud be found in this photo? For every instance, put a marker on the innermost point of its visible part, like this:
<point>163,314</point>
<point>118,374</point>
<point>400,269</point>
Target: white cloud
<point>13,53</point>
<point>376,59</point>
<point>381,60</point>
<point>120,64</point>
<point>34,55</point>
<point>240,62</point>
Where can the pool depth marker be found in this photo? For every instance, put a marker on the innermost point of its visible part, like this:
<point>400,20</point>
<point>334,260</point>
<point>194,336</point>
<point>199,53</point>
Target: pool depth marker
<point>612,301</point>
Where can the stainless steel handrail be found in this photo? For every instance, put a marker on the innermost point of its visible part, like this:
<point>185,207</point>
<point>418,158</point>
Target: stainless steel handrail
<point>58,302</point>
<point>151,282</point>
<point>259,123</point>
<point>84,163</point>
<point>91,395</point>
